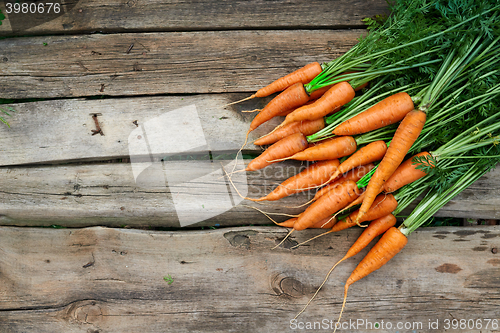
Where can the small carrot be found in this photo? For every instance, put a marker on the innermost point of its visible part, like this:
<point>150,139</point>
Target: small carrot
<point>320,92</point>
<point>372,152</point>
<point>338,95</point>
<point>328,150</point>
<point>306,127</point>
<point>326,223</point>
<point>312,176</point>
<point>285,147</point>
<point>377,227</point>
<point>388,111</point>
<point>302,75</point>
<point>405,174</point>
<point>293,97</point>
<point>390,244</point>
<point>353,174</point>
<point>406,134</point>
<point>383,205</point>
<point>327,205</point>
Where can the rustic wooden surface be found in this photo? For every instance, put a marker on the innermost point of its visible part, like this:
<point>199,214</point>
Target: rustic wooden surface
<point>61,130</point>
<point>160,63</point>
<point>87,16</point>
<point>83,194</point>
<point>202,53</point>
<point>229,280</point>
<point>107,194</point>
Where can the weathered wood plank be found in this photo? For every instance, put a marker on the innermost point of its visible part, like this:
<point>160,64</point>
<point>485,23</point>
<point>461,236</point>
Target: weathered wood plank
<point>108,194</point>
<point>88,16</point>
<point>61,130</point>
<point>229,280</point>
<point>160,63</point>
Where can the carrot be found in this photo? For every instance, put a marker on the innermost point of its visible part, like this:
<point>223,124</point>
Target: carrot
<point>405,174</point>
<point>338,95</point>
<point>325,223</point>
<point>406,134</point>
<point>288,111</point>
<point>384,204</point>
<point>318,93</point>
<point>312,176</point>
<point>390,244</point>
<point>330,149</point>
<point>376,228</point>
<point>388,111</point>
<point>372,152</point>
<point>283,148</point>
<point>302,75</point>
<point>354,175</point>
<point>327,205</point>
<point>306,127</point>
<point>293,97</point>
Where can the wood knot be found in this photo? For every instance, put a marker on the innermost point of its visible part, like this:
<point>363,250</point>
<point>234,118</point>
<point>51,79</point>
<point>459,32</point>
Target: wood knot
<point>286,285</point>
<point>86,312</point>
<point>240,238</point>
<point>89,313</point>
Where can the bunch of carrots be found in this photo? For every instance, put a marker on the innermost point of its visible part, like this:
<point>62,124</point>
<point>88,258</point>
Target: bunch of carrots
<point>420,86</point>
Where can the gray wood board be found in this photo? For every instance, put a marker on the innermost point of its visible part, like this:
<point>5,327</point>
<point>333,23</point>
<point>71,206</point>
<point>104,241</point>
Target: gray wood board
<point>89,16</point>
<point>61,130</point>
<point>160,63</point>
<point>109,194</point>
<point>229,280</point>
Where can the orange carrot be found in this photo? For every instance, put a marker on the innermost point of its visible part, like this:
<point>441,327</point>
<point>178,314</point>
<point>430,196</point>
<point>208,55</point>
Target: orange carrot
<point>283,148</point>
<point>405,174</point>
<point>387,247</point>
<point>312,176</point>
<point>406,134</point>
<point>326,223</point>
<point>354,175</point>
<point>288,111</point>
<point>388,111</point>
<point>306,127</point>
<point>302,75</point>
<point>338,95</point>
<point>293,97</point>
<point>376,228</point>
<point>321,91</point>
<point>372,152</point>
<point>327,205</point>
<point>330,149</point>
<point>384,204</point>
<point>390,244</point>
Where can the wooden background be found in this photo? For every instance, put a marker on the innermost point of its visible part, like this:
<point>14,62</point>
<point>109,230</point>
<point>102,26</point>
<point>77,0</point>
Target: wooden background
<point>131,61</point>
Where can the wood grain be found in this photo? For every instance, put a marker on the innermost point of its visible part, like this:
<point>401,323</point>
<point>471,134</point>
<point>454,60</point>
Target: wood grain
<point>87,16</point>
<point>161,63</point>
<point>108,194</point>
<point>60,131</point>
<point>229,280</point>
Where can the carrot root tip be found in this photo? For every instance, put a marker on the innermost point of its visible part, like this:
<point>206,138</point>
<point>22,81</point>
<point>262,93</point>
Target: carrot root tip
<point>241,100</point>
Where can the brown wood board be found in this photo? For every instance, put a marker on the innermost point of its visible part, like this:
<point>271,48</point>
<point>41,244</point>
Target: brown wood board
<point>88,16</point>
<point>161,63</point>
<point>229,280</point>
<point>108,194</point>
